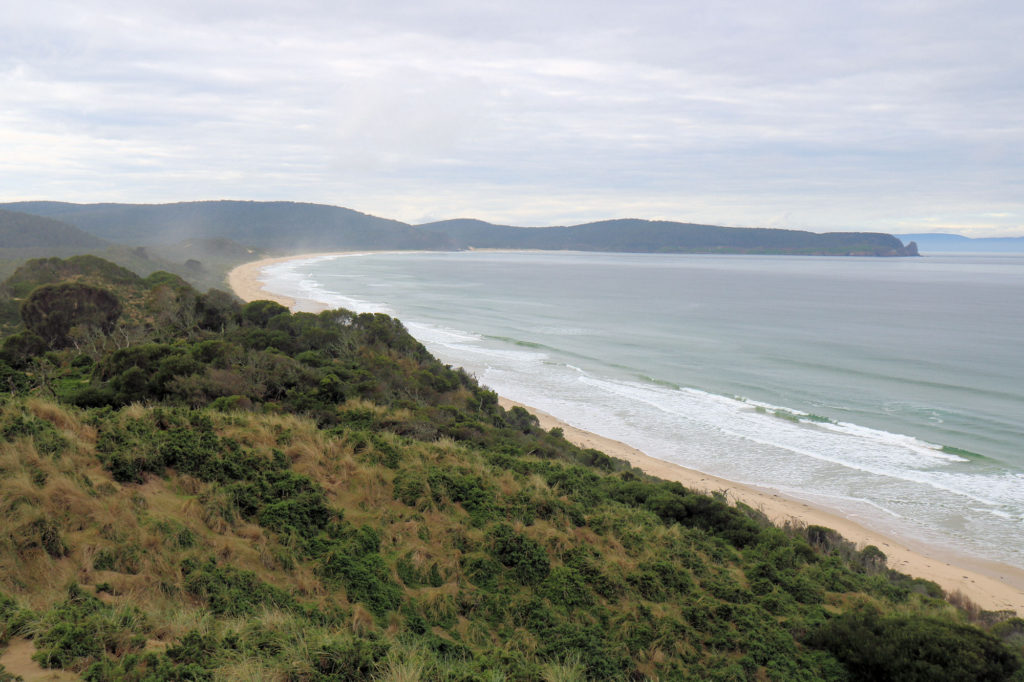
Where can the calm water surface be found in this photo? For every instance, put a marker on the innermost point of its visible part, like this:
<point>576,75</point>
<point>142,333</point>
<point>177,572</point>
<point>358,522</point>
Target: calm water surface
<point>834,380</point>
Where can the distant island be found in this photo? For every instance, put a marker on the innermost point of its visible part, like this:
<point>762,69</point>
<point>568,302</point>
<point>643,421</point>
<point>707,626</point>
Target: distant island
<point>296,227</point>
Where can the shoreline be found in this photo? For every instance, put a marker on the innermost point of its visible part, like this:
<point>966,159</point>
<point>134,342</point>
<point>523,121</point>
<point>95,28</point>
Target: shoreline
<point>990,585</point>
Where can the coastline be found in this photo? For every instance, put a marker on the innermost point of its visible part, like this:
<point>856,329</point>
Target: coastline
<point>245,282</point>
<point>990,585</point>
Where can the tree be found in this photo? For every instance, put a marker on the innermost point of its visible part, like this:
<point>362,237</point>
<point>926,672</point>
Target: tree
<point>53,310</point>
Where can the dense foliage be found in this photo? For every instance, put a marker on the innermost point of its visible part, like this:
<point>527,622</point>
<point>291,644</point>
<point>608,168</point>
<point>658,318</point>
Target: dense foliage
<point>215,490</point>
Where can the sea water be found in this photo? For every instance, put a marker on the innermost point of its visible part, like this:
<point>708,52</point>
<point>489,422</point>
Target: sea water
<point>888,390</point>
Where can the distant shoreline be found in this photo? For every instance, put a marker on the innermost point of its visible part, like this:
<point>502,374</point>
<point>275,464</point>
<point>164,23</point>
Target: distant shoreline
<point>990,585</point>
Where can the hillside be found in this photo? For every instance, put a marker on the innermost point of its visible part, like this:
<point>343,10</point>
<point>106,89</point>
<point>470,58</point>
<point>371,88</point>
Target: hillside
<point>647,236</point>
<point>24,231</point>
<point>202,261</point>
<point>195,489</point>
<point>294,227</point>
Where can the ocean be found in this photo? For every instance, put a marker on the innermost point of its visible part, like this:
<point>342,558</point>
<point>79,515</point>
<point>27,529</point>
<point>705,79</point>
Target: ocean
<point>890,391</point>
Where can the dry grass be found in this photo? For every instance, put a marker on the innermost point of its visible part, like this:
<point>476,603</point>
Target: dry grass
<point>307,584</point>
<point>403,664</point>
<point>252,670</point>
<point>134,411</point>
<point>19,491</point>
<point>362,620</point>
<point>370,490</point>
<point>962,601</point>
<point>508,483</point>
<point>306,456</point>
<point>66,500</point>
<point>63,419</point>
<point>569,669</point>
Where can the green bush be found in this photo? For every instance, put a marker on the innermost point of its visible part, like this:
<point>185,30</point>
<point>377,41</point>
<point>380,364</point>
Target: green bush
<point>14,620</point>
<point>42,533</point>
<point>82,628</point>
<point>45,437</point>
<point>527,559</point>
<point>348,659</point>
<point>409,486</point>
<point>19,349</point>
<point>123,559</point>
<point>366,579</point>
<point>231,592</point>
<point>481,570</point>
<point>913,649</point>
<point>564,586</point>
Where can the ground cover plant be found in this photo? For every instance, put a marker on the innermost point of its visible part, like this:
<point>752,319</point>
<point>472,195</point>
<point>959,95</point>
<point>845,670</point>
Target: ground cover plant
<point>200,489</point>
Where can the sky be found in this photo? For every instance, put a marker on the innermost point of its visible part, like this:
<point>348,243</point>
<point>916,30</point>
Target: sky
<point>897,116</point>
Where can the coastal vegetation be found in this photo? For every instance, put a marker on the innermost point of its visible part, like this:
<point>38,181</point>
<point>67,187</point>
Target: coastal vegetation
<point>197,489</point>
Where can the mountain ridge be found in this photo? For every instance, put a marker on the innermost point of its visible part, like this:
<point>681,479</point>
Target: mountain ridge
<point>297,227</point>
<point>664,236</point>
<point>274,224</point>
<point>20,230</point>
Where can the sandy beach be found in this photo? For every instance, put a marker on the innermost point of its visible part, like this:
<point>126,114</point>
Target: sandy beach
<point>246,283</point>
<point>990,585</point>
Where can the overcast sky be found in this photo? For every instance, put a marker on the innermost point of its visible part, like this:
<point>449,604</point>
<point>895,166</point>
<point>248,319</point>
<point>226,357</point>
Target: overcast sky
<point>897,116</point>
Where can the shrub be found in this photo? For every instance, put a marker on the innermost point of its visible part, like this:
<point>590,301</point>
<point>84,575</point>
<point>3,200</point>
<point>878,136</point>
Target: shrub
<point>366,579</point>
<point>913,648</point>
<point>258,313</point>
<point>13,619</point>
<point>20,348</point>
<point>81,628</point>
<point>41,533</point>
<point>524,555</point>
<point>481,570</point>
<point>409,486</point>
<point>348,659</point>
<point>232,592</point>
<point>564,586</point>
<point>125,559</point>
<point>45,437</point>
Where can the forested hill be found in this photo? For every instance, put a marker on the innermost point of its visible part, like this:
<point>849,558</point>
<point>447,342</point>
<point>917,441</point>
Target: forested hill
<point>196,489</point>
<point>647,236</point>
<point>24,231</point>
<point>298,227</point>
<point>281,225</point>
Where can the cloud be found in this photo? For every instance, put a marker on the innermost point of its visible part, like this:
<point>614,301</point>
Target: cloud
<point>826,115</point>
